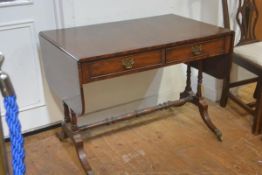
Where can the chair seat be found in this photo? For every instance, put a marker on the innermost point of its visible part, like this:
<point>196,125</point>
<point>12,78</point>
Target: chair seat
<point>250,53</point>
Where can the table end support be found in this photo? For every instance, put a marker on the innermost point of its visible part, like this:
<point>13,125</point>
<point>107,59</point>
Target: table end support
<point>203,109</point>
<point>203,106</point>
<point>70,130</point>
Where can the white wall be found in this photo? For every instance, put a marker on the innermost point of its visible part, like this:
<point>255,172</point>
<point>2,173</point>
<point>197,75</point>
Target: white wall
<point>20,22</point>
<point>127,93</point>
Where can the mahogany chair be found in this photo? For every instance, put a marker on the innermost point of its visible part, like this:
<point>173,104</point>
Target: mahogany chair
<point>247,54</point>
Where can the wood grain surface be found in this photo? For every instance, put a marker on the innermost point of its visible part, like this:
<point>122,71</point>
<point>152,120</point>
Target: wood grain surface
<point>259,24</point>
<point>88,43</point>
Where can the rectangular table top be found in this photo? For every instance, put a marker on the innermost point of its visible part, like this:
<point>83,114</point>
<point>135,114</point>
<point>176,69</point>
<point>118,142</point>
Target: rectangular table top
<point>88,43</point>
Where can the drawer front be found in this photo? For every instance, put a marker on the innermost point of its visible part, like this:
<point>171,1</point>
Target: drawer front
<point>120,65</point>
<point>195,51</point>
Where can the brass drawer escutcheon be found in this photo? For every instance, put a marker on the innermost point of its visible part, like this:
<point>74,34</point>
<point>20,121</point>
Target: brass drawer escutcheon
<point>197,50</point>
<point>128,62</point>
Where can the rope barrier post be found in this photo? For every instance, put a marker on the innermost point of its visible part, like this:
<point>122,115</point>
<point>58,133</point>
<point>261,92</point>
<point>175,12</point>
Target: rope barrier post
<point>3,159</point>
<point>16,138</point>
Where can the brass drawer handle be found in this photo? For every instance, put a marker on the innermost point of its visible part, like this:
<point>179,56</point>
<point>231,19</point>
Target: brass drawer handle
<point>196,50</point>
<point>128,62</point>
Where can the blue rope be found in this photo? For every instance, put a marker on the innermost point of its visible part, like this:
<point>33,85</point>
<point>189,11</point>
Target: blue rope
<point>16,138</point>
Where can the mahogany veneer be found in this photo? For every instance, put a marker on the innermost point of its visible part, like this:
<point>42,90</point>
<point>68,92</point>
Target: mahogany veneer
<point>79,55</point>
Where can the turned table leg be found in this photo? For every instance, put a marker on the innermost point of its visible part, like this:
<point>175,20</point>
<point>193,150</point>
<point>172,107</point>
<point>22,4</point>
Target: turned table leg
<point>188,89</point>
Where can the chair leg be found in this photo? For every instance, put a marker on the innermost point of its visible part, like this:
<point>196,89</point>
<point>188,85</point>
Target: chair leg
<point>257,124</point>
<point>257,89</point>
<point>226,82</point>
<point>225,93</point>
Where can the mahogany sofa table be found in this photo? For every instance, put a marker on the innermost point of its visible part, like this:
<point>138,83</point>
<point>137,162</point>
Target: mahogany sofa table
<point>75,56</point>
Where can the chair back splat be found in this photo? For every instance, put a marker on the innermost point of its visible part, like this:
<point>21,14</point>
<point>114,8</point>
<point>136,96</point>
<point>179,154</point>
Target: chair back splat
<point>246,18</point>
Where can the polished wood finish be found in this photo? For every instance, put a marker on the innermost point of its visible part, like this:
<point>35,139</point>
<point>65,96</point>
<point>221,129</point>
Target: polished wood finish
<point>94,42</point>
<point>259,22</point>
<point>116,66</point>
<point>183,53</point>
<point>247,17</point>
<point>159,143</point>
<point>226,19</point>
<point>219,66</point>
<point>108,50</point>
<point>59,47</point>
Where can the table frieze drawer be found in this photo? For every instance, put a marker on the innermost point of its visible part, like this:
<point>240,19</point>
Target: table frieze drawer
<point>122,65</point>
<point>196,51</point>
